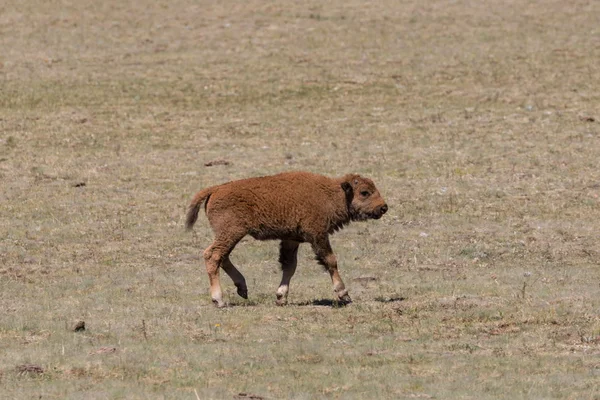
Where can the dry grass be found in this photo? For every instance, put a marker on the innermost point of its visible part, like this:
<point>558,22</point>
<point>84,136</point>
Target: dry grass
<point>479,122</point>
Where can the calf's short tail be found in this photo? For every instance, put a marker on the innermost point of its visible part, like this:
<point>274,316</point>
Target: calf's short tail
<point>194,208</point>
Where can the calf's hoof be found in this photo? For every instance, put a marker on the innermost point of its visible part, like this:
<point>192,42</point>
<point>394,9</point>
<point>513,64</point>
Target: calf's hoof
<point>219,303</point>
<point>343,297</point>
<point>281,300</point>
<point>242,292</point>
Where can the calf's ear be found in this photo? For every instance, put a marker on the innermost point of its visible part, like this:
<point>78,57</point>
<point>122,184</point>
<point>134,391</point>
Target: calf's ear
<point>347,188</point>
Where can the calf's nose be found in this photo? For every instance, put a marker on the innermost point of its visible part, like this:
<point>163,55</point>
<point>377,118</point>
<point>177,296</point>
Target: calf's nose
<point>383,209</point>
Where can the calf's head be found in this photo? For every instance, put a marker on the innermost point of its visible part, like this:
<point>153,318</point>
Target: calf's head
<point>363,198</point>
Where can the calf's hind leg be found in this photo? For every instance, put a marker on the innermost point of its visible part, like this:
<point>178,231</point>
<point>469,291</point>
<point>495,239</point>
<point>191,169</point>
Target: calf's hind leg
<point>288,257</point>
<point>236,276</point>
<point>215,256</point>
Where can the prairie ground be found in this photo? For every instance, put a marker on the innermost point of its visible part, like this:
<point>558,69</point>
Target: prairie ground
<point>479,121</point>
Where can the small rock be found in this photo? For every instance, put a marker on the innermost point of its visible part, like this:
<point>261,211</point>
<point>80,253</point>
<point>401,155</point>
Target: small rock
<point>29,369</point>
<point>248,396</point>
<point>216,162</point>
<point>389,299</point>
<point>79,326</point>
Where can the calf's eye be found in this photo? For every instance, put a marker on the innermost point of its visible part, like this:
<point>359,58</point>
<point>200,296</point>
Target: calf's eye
<point>364,193</point>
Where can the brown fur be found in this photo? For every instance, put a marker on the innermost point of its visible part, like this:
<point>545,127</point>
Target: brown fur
<point>294,207</point>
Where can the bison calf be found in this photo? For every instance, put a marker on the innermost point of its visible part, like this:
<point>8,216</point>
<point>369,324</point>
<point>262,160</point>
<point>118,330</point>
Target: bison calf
<point>294,207</point>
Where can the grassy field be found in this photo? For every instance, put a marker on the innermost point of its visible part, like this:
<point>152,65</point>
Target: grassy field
<point>479,121</point>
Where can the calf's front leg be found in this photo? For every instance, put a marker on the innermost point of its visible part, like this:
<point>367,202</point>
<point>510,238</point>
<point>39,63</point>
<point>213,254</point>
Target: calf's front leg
<point>288,257</point>
<point>325,256</point>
